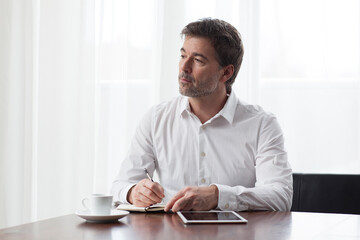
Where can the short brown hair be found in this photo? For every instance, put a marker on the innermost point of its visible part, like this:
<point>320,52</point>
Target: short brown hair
<point>225,39</point>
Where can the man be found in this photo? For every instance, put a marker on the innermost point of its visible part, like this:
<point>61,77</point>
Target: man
<point>210,150</point>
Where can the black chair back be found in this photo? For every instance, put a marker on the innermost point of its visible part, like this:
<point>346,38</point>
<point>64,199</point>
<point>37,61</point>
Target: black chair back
<point>326,193</point>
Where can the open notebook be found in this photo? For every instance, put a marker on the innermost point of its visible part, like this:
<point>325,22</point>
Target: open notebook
<point>131,208</point>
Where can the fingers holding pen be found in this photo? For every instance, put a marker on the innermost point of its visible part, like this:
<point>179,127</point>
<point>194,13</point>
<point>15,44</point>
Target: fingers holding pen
<point>146,193</point>
<point>154,189</point>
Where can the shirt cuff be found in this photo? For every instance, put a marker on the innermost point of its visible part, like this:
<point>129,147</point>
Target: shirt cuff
<point>124,192</point>
<point>228,199</point>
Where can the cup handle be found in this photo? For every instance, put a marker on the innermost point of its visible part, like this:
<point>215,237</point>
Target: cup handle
<point>84,201</point>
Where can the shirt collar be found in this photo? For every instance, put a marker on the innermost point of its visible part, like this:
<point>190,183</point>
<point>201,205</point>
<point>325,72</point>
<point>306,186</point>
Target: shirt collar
<point>227,112</point>
<point>184,106</point>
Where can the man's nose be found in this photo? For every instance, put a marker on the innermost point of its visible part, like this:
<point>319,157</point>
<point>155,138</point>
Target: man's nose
<point>185,65</point>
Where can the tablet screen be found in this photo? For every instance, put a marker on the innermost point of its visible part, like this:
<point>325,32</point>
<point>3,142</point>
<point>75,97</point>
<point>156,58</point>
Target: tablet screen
<point>211,217</point>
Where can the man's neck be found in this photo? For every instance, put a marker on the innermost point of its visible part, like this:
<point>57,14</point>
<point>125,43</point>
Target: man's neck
<point>207,107</point>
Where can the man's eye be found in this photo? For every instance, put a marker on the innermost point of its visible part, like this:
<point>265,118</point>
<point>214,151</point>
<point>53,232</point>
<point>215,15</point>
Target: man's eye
<point>182,56</point>
<point>198,60</point>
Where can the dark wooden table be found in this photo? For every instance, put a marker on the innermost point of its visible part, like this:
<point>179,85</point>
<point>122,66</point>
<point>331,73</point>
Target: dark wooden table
<point>261,225</point>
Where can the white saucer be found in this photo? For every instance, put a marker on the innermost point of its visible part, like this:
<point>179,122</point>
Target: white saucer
<point>113,216</point>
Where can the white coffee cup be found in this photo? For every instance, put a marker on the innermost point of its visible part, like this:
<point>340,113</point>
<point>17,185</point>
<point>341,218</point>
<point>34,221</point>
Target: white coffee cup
<point>100,204</point>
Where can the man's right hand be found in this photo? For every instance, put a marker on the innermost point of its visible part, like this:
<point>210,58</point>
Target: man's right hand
<point>145,193</point>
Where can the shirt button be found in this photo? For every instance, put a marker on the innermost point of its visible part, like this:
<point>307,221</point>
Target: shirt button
<point>226,205</point>
<point>203,180</point>
<point>203,154</point>
<point>203,127</point>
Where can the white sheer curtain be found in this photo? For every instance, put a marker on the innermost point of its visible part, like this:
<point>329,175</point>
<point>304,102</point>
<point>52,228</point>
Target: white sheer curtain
<point>47,96</point>
<point>309,77</point>
<point>76,76</point>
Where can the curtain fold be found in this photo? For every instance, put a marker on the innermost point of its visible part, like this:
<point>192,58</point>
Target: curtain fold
<point>47,108</point>
<point>15,112</point>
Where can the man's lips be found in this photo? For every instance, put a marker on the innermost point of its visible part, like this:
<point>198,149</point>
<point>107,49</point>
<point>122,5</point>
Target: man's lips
<point>184,80</point>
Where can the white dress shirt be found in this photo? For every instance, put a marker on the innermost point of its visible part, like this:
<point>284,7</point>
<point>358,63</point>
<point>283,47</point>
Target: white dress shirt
<point>240,150</point>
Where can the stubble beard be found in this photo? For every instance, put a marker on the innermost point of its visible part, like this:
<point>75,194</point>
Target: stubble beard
<point>203,89</point>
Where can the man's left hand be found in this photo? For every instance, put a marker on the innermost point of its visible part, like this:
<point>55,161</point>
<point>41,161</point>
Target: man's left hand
<point>194,198</point>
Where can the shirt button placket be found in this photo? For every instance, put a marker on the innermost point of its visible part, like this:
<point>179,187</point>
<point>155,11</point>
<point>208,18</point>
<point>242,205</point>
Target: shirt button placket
<point>202,154</point>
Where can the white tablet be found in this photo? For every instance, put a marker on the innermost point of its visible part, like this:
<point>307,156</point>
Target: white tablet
<point>210,217</point>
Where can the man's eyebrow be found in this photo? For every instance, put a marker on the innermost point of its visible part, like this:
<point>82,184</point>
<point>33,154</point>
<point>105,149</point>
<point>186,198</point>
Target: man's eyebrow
<point>195,54</point>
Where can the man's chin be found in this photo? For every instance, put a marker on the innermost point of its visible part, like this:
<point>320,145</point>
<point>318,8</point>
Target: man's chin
<point>184,93</point>
<point>190,93</point>
<point>183,89</point>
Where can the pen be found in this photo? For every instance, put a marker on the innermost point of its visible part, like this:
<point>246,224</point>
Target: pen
<point>147,174</point>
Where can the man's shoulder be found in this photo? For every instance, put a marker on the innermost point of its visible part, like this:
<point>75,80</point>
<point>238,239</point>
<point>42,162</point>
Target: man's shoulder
<point>248,110</point>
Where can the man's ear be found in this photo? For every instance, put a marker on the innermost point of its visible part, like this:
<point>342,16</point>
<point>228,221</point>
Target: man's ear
<point>228,72</point>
